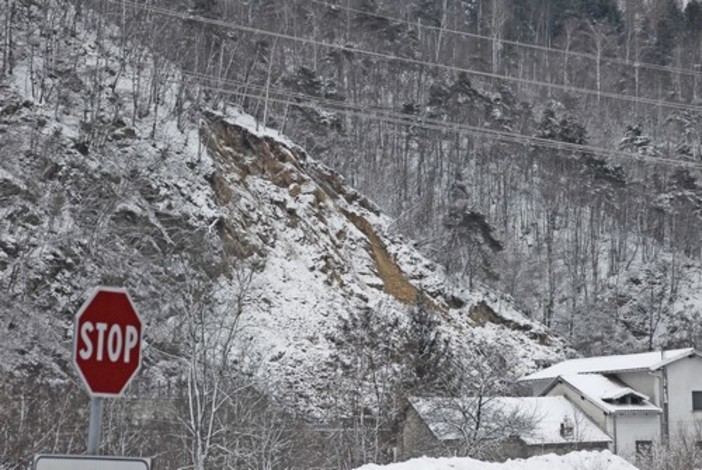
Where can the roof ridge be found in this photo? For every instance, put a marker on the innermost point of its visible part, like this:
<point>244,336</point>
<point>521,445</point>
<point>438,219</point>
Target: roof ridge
<point>650,360</point>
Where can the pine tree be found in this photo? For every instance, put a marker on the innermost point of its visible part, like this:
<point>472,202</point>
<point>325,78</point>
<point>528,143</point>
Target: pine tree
<point>669,24</point>
<point>635,140</point>
<point>427,348</point>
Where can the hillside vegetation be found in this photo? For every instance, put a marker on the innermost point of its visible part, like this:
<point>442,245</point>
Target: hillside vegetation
<point>549,149</point>
<point>285,321</point>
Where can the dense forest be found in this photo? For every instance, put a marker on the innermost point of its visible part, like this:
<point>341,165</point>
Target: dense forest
<point>547,148</point>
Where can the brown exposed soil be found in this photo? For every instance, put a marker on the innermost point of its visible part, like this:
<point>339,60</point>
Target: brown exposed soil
<point>234,241</point>
<point>221,188</point>
<point>482,313</point>
<point>395,282</point>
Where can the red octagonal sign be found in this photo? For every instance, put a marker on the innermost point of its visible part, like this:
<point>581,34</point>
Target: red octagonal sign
<point>107,342</point>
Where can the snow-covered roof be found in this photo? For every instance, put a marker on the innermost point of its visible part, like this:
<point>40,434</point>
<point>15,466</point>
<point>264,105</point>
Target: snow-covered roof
<point>603,391</point>
<point>610,364</point>
<point>445,417</point>
<point>571,461</point>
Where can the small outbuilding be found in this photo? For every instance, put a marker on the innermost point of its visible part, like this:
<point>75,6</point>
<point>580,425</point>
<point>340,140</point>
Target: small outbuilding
<point>497,427</point>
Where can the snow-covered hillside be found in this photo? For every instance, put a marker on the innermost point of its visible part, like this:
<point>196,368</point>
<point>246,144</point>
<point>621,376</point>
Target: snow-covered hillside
<point>104,182</point>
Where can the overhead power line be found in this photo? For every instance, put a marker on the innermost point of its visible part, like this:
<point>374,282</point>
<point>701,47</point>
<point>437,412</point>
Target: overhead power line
<point>285,97</point>
<point>407,60</point>
<point>536,47</point>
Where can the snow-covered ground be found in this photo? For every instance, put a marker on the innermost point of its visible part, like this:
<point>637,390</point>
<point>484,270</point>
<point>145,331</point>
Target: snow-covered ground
<point>583,460</point>
<point>141,204</point>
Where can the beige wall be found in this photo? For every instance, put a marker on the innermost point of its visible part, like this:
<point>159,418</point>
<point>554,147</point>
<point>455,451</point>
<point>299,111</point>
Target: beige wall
<point>684,377</point>
<point>538,386</point>
<point>595,413</point>
<point>636,427</point>
<point>643,382</point>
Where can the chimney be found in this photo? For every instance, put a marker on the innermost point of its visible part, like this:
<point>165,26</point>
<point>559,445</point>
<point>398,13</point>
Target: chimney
<point>566,428</point>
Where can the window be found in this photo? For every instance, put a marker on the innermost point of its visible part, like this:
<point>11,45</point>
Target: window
<point>628,399</point>
<point>643,448</point>
<point>696,401</point>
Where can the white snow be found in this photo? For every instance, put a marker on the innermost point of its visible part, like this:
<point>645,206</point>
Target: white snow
<point>443,416</point>
<point>599,388</point>
<point>246,121</point>
<point>314,270</point>
<point>608,364</point>
<point>582,460</point>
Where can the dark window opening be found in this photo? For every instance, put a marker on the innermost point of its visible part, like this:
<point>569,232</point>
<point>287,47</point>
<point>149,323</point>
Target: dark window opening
<point>629,399</point>
<point>644,449</point>
<point>696,401</point>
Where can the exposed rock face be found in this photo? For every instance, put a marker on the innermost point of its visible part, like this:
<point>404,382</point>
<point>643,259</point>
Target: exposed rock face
<point>327,255</point>
<point>209,216</point>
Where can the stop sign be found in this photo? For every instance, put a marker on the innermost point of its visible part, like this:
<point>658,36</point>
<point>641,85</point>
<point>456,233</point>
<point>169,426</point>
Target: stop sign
<point>107,342</point>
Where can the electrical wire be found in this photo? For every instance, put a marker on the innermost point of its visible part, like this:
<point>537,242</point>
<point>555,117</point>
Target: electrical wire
<point>411,61</point>
<point>584,55</point>
<point>288,98</point>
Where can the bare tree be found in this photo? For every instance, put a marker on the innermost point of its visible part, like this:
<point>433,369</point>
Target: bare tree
<point>473,413</point>
<point>209,320</point>
<point>479,426</point>
<point>681,451</point>
<point>600,34</point>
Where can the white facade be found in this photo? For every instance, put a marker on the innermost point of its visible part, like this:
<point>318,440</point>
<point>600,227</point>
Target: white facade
<point>589,408</point>
<point>636,399</point>
<point>645,382</point>
<point>628,429</point>
<point>625,429</point>
<point>684,377</point>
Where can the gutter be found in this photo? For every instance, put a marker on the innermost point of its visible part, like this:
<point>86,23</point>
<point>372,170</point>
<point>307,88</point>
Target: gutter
<point>665,422</point>
<point>614,436</point>
<point>662,375</point>
<point>528,379</point>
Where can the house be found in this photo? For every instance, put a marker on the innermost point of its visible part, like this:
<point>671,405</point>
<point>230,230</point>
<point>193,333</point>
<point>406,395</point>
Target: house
<point>637,399</point>
<point>511,427</point>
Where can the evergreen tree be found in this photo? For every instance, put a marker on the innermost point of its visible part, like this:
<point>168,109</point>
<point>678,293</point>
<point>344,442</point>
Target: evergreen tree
<point>693,16</point>
<point>428,349</point>
<point>566,129</point>
<point>635,140</point>
<point>471,238</point>
<point>669,24</point>
<point>427,11</point>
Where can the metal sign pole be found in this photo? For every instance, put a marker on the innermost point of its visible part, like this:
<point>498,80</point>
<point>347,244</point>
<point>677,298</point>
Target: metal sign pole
<point>95,425</point>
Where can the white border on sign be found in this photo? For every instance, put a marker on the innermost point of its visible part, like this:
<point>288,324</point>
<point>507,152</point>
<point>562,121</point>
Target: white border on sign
<point>83,458</point>
<point>77,316</point>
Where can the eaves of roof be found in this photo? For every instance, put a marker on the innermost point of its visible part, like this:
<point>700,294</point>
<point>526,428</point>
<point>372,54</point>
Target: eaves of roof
<point>682,353</point>
<point>670,360</point>
<point>607,409</point>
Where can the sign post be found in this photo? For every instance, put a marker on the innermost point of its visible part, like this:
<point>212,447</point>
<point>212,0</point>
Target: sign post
<point>94,425</point>
<point>106,350</point>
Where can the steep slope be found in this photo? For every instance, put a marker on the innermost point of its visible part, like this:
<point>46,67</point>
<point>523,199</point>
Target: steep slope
<point>202,215</point>
<point>327,255</point>
<point>575,223</point>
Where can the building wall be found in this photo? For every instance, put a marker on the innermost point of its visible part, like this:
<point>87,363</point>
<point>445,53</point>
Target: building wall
<point>635,427</point>
<point>684,377</point>
<point>643,382</point>
<point>538,386</point>
<point>586,406</point>
<point>417,439</point>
